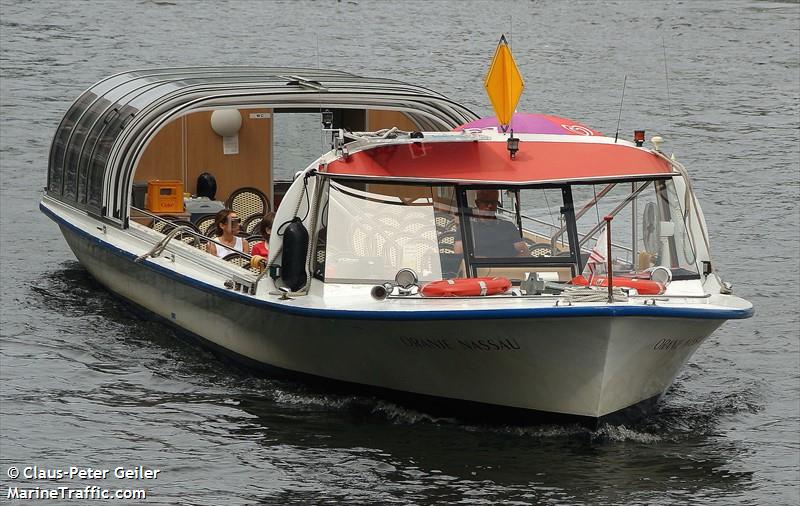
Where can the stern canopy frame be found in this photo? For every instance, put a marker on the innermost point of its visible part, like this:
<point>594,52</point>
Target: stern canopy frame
<point>97,145</point>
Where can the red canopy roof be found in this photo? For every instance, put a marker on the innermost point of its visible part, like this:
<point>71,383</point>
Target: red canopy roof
<point>490,162</point>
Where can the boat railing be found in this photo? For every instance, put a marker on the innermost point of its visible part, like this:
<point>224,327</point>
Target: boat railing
<point>561,230</point>
<point>648,299</point>
<point>161,245</point>
<point>613,212</point>
<point>198,236</point>
<point>237,282</point>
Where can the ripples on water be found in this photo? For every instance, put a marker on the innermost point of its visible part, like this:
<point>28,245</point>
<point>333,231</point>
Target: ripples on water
<point>122,389</point>
<point>87,381</point>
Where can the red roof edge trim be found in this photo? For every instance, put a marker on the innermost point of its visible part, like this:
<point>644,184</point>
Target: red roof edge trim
<point>490,162</point>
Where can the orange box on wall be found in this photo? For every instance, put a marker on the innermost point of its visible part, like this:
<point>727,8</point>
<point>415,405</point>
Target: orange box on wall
<point>165,196</point>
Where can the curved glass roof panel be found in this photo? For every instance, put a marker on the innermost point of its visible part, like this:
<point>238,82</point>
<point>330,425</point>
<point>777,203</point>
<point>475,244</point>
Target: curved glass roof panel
<point>98,141</point>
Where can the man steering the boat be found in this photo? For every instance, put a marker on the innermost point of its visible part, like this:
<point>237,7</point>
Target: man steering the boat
<point>493,236</point>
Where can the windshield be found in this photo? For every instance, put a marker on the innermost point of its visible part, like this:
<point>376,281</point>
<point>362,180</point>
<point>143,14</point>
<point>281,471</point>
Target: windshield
<point>648,229</point>
<point>374,230</point>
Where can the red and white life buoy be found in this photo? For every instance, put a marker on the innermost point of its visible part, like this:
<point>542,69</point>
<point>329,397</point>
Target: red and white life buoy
<point>466,287</point>
<point>643,286</point>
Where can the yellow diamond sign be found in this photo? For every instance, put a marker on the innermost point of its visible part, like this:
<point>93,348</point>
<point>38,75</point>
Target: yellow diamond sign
<point>503,83</point>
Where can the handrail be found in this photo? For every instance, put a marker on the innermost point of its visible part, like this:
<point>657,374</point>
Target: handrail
<point>191,231</point>
<point>561,229</point>
<point>584,210</point>
<point>161,245</point>
<point>557,296</point>
<point>560,232</point>
<point>613,212</point>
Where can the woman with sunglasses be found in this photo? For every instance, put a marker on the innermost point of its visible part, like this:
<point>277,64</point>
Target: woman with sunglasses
<point>226,226</point>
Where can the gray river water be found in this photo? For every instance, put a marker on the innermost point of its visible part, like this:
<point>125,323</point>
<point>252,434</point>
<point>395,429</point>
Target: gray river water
<point>87,383</point>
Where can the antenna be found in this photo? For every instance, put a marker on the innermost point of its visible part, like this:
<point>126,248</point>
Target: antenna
<point>666,78</point>
<point>317,36</point>
<point>510,31</point>
<point>624,82</point>
<point>323,113</point>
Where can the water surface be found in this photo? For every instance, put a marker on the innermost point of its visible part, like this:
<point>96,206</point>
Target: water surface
<point>87,382</point>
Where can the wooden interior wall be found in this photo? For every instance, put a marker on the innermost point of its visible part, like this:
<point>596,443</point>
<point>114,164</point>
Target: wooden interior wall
<point>377,120</point>
<point>188,146</point>
<point>251,167</point>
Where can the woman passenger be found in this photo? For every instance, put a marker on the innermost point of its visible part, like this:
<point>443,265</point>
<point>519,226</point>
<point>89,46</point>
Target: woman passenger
<point>226,226</point>
<point>264,230</point>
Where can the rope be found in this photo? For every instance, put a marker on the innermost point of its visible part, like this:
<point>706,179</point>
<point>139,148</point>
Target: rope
<point>311,253</point>
<point>588,294</point>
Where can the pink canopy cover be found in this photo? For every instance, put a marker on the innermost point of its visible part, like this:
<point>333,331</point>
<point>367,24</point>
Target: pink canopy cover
<point>523,123</point>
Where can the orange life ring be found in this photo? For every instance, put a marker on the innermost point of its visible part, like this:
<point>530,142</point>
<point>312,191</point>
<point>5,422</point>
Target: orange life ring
<point>643,286</point>
<point>466,287</point>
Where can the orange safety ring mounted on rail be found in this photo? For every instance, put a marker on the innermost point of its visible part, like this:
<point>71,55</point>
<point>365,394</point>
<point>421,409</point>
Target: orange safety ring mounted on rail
<point>643,286</point>
<point>466,287</point>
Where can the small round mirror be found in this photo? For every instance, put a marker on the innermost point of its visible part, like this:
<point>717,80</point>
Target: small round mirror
<point>406,278</point>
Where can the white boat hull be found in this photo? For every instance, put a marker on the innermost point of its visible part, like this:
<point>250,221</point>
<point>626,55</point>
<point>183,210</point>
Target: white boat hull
<point>589,366</point>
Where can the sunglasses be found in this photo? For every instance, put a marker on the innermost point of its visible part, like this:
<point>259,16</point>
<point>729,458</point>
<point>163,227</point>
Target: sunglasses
<point>234,221</point>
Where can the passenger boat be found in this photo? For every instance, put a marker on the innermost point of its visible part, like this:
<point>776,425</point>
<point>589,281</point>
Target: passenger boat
<point>427,252</point>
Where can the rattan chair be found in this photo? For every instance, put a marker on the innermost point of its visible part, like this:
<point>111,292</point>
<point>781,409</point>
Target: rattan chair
<point>205,223</point>
<point>163,222</point>
<point>248,202</point>
<point>539,250</point>
<point>444,222</point>
<point>447,242</point>
<point>250,224</point>
<point>241,260</point>
<point>190,237</point>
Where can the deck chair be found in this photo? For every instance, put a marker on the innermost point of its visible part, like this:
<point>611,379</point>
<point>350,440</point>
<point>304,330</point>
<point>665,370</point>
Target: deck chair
<point>205,223</point>
<point>250,224</point>
<point>241,260</point>
<point>191,238</point>
<point>163,222</point>
<point>248,202</point>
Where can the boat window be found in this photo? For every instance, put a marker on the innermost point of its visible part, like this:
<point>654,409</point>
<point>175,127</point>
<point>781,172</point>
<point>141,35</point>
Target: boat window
<point>61,139</point>
<point>515,223</point>
<point>542,219</point>
<point>373,230</point>
<point>648,229</point>
<point>63,135</point>
<point>76,145</point>
<point>88,152</point>
<point>116,121</point>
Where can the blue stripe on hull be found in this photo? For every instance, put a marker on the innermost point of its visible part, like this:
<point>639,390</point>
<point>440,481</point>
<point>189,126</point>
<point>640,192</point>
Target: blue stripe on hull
<point>481,314</point>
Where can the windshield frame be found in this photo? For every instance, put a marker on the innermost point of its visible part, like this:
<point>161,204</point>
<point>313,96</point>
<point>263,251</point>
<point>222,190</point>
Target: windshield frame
<point>575,261</point>
<point>474,263</point>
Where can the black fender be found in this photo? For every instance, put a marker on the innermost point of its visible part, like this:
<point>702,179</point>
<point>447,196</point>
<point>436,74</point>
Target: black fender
<point>295,249</point>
